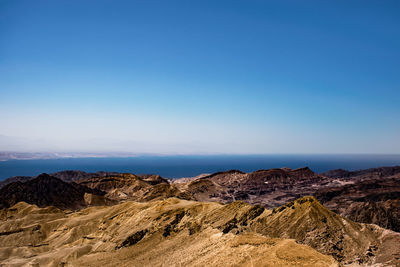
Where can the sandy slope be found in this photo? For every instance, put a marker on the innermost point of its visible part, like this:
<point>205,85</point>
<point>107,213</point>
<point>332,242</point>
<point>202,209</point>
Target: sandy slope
<point>171,232</point>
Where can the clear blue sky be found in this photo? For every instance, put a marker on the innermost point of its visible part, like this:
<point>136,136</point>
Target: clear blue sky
<point>200,76</point>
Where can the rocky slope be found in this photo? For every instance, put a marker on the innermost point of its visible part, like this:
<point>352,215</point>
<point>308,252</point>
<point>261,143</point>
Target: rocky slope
<point>368,196</point>
<point>46,190</point>
<point>364,174</point>
<point>171,232</point>
<point>80,189</point>
<point>133,187</point>
<point>15,179</point>
<point>310,223</point>
<point>189,233</point>
<point>375,199</point>
<point>269,188</point>
<point>66,176</point>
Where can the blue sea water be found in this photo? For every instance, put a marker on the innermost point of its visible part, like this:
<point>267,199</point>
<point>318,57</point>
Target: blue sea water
<point>186,166</point>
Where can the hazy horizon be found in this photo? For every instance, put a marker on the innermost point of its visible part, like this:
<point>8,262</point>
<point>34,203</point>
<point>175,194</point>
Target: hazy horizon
<point>208,77</point>
<point>127,154</point>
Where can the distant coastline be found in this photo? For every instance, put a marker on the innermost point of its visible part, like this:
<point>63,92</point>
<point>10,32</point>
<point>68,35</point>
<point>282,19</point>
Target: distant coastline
<point>4,156</point>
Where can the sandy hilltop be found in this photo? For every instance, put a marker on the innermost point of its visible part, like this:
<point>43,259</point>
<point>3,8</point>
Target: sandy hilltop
<point>274,217</point>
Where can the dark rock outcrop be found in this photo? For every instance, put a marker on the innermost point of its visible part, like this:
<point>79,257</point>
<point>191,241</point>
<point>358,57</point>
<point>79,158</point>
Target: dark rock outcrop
<point>375,200</point>
<point>46,190</point>
<point>363,174</point>
<point>66,176</point>
<point>269,188</point>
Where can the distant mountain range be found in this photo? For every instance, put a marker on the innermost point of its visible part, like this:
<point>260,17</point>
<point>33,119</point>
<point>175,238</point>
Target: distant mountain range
<point>336,213</point>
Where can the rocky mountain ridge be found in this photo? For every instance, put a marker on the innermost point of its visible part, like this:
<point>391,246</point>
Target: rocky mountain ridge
<point>85,219</point>
<point>191,233</point>
<point>368,196</point>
